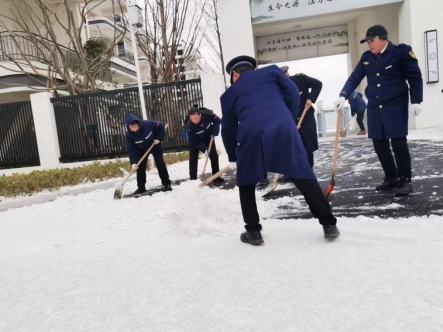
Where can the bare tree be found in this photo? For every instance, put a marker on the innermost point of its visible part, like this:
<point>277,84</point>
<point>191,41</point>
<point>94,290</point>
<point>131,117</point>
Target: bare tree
<point>170,24</point>
<point>212,34</point>
<point>43,40</point>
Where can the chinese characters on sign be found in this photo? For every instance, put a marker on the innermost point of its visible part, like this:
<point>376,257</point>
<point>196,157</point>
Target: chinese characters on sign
<point>302,44</point>
<point>263,11</point>
<point>295,3</point>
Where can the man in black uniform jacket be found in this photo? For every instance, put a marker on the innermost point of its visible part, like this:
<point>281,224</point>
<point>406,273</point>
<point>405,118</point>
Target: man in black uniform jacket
<point>203,125</point>
<point>308,129</point>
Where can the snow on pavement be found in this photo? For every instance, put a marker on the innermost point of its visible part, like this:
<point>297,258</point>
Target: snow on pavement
<point>174,262</point>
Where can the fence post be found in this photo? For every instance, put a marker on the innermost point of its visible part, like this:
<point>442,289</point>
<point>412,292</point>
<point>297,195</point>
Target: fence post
<point>213,86</point>
<point>45,130</point>
<point>321,120</point>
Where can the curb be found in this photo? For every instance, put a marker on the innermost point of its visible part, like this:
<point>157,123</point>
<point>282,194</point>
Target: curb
<point>40,198</point>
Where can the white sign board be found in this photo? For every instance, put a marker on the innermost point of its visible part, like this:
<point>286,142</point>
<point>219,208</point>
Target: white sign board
<point>263,11</point>
<point>302,44</point>
<point>431,56</point>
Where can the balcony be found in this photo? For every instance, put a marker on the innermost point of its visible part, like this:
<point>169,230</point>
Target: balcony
<point>119,53</point>
<point>24,47</point>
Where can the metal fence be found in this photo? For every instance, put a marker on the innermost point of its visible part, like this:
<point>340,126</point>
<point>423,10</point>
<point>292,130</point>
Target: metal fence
<point>18,143</point>
<point>92,126</point>
<point>21,47</point>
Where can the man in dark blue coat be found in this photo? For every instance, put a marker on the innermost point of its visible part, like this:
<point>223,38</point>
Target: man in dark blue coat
<point>140,136</point>
<point>202,125</point>
<point>259,132</point>
<point>358,106</point>
<point>309,89</point>
<point>388,68</point>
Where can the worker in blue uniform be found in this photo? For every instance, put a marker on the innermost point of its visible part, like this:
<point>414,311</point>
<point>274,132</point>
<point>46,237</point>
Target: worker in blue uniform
<point>258,128</point>
<point>309,89</point>
<point>389,68</point>
<point>140,136</point>
<point>358,106</point>
<point>203,125</point>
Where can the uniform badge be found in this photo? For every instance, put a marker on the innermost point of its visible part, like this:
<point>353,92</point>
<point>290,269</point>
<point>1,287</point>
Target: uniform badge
<point>412,55</point>
<point>366,63</point>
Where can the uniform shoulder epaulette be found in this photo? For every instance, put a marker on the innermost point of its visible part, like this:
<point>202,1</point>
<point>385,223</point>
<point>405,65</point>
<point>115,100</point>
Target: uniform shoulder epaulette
<point>300,74</point>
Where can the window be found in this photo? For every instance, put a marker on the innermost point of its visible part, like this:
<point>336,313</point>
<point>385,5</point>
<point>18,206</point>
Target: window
<point>180,52</point>
<point>121,48</point>
<point>118,20</point>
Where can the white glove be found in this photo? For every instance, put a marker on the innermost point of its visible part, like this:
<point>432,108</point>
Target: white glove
<point>134,167</point>
<point>338,104</point>
<point>156,141</point>
<point>207,153</point>
<point>416,108</point>
<point>233,165</point>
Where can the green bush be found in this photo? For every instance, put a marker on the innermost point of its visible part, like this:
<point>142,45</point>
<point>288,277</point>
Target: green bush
<point>54,179</point>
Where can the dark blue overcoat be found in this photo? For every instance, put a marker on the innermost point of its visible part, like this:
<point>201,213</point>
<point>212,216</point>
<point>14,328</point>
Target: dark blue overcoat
<point>387,90</point>
<point>200,133</point>
<point>357,103</point>
<point>308,128</point>
<point>258,126</point>
<point>139,142</point>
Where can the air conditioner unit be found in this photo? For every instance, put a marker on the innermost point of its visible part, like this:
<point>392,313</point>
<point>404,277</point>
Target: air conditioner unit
<point>135,15</point>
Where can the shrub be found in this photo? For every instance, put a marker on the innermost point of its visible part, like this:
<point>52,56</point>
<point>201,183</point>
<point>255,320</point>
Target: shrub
<point>54,179</point>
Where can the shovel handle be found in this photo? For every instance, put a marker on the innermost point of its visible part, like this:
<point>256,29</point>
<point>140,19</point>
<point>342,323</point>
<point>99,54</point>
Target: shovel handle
<point>337,138</point>
<point>302,117</point>
<point>207,158</point>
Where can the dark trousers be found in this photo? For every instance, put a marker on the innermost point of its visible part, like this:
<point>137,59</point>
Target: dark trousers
<point>310,189</point>
<point>311,159</point>
<point>193,161</point>
<point>360,117</point>
<point>401,167</point>
<point>161,167</point>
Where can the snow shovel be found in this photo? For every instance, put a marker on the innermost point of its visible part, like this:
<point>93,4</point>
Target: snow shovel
<point>215,176</point>
<point>118,193</point>
<point>270,188</point>
<point>202,177</point>
<point>331,184</point>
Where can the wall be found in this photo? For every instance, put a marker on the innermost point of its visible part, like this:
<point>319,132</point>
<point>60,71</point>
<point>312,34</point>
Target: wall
<point>235,25</point>
<point>416,17</point>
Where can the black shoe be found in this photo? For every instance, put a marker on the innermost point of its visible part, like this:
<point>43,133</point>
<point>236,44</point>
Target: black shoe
<point>403,187</point>
<point>139,191</point>
<point>253,238</point>
<point>331,232</point>
<point>387,184</point>
<point>218,180</point>
<point>167,187</point>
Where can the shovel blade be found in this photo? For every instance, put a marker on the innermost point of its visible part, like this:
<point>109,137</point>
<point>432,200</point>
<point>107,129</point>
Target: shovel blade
<point>329,188</point>
<point>269,189</point>
<point>118,193</point>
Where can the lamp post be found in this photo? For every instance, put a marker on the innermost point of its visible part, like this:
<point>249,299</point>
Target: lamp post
<point>135,21</point>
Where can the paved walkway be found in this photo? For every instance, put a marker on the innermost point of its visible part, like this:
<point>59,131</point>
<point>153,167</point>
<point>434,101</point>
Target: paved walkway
<point>359,171</point>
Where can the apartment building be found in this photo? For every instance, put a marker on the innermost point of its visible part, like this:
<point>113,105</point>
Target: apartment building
<point>21,51</point>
